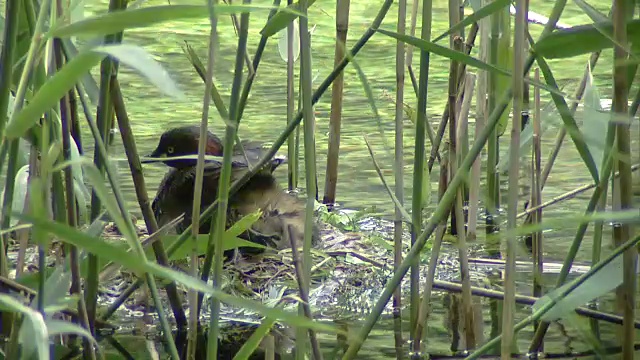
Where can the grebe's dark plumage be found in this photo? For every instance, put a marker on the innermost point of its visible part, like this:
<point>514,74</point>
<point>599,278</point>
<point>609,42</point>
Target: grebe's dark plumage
<point>175,193</point>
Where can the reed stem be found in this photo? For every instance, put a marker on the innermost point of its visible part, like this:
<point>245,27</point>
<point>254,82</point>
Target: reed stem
<point>225,174</point>
<point>418,171</point>
<point>333,153</point>
<point>398,170</point>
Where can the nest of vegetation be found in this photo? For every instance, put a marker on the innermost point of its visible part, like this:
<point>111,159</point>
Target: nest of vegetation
<point>344,266</point>
<point>348,271</point>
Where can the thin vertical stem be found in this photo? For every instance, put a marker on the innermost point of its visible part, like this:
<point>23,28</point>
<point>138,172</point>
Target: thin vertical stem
<point>292,163</point>
<point>418,166</point>
<point>225,175</point>
<point>514,163</point>
<point>467,303</point>
<point>412,32</point>
<point>192,337</point>
<point>246,89</point>
<point>309,143</point>
<point>626,293</point>
<point>9,44</point>
<point>537,194</point>
<point>492,148</point>
<point>331,178</point>
<point>481,119</point>
<point>457,216</point>
<point>399,177</point>
<point>455,42</point>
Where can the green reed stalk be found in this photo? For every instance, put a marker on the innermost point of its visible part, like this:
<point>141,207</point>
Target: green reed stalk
<point>207,213</point>
<point>481,118</point>
<point>629,244</point>
<point>43,177</point>
<point>409,56</point>
<point>4,149</point>
<point>9,44</point>
<point>292,163</point>
<point>225,175</point>
<point>104,114</point>
<point>536,198</point>
<point>509,303</point>
<point>398,171</point>
<point>129,143</point>
<point>309,157</point>
<point>418,169</point>
<point>626,293</point>
<point>208,261</point>
<point>492,202</point>
<point>335,118</point>
<point>455,38</point>
<point>192,337</point>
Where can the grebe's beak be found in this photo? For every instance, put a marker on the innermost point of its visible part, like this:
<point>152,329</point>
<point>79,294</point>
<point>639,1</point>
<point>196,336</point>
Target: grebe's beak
<point>157,153</point>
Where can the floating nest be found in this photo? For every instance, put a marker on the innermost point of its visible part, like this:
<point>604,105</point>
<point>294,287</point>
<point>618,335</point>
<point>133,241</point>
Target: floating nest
<point>349,271</point>
<point>343,259</point>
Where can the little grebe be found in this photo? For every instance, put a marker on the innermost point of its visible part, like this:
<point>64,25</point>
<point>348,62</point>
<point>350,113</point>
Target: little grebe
<point>175,193</point>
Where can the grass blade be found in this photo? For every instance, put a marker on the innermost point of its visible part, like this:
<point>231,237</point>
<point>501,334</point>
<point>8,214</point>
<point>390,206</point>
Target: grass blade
<point>137,58</point>
<point>116,21</point>
<point>581,39</point>
<point>51,92</point>
<point>282,19</point>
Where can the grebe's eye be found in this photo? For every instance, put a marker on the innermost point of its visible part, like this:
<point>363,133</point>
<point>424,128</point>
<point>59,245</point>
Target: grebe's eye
<point>170,150</point>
